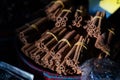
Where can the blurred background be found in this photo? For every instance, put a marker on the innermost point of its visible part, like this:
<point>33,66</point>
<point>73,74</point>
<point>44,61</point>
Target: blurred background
<point>15,13</point>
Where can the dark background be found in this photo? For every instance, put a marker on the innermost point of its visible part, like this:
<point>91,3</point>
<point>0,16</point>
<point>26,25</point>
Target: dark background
<point>15,13</point>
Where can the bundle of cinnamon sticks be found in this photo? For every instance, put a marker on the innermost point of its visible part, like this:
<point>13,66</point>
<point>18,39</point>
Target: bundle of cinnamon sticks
<point>69,42</point>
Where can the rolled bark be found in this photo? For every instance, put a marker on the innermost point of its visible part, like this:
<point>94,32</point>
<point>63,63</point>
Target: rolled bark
<point>53,6</point>
<point>53,41</point>
<point>62,18</point>
<point>37,52</point>
<point>31,53</point>
<point>64,50</point>
<point>27,25</point>
<point>25,47</point>
<point>27,51</point>
<point>46,38</point>
<point>54,14</point>
<point>59,45</point>
<point>110,35</point>
<point>101,45</point>
<point>79,16</point>
<point>58,57</point>
<point>68,37</point>
<point>38,56</point>
<point>55,32</point>
<point>78,49</point>
<point>50,44</point>
<point>94,25</point>
<point>33,32</point>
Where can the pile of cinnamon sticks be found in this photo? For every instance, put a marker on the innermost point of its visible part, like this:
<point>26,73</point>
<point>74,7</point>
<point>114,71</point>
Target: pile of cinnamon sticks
<point>70,41</point>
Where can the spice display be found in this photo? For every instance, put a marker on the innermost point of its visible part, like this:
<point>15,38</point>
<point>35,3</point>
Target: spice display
<point>73,39</point>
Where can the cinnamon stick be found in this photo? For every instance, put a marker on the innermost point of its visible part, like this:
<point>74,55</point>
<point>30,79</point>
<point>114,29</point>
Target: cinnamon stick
<point>94,25</point>
<point>25,47</point>
<point>31,33</point>
<point>53,6</point>
<point>27,25</point>
<point>68,36</point>
<point>41,42</point>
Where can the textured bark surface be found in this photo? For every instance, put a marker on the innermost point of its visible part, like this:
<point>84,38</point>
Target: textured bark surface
<point>75,37</point>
